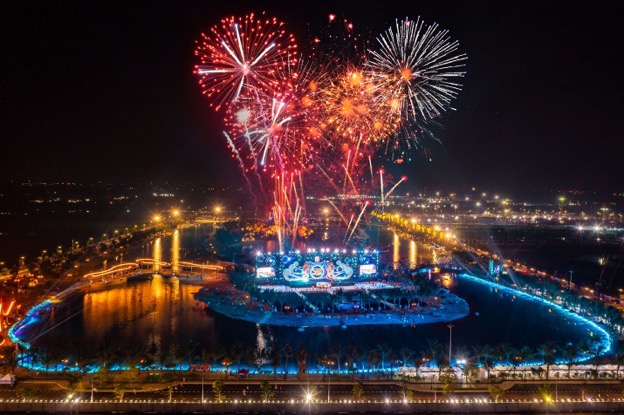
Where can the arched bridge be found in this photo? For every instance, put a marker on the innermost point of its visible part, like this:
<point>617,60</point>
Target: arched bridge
<point>147,266</point>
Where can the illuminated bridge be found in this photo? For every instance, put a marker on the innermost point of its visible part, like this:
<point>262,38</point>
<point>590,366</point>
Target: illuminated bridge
<point>148,266</point>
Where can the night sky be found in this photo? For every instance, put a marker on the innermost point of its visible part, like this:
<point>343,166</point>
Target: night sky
<point>105,90</point>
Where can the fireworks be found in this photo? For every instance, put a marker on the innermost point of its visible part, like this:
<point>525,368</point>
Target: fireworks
<point>327,117</point>
<point>242,53</point>
<point>418,66</point>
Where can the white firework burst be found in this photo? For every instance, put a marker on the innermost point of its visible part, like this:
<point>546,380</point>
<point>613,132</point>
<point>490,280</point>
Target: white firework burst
<point>418,67</point>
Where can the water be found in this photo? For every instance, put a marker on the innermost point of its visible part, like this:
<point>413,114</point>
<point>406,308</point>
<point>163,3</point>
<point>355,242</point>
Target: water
<point>125,320</point>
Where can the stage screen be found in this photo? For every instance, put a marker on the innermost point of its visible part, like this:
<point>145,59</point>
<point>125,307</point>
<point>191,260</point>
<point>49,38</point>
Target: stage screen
<point>314,267</point>
<point>368,270</point>
<point>265,272</point>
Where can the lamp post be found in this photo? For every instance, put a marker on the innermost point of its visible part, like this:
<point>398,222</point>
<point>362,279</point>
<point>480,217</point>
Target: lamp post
<point>450,326</point>
<point>570,284</point>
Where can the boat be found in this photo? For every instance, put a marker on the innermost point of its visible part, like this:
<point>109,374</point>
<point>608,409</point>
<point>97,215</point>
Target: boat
<point>301,329</point>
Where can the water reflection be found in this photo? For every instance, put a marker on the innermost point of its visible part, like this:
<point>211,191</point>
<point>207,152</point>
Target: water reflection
<point>175,251</point>
<point>396,249</point>
<point>413,254</point>
<point>157,254</point>
<point>163,311</point>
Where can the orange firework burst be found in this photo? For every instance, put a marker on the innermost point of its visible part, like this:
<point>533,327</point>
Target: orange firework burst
<point>354,112</point>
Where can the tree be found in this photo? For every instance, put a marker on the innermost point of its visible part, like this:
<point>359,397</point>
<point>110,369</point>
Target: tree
<point>351,356</point>
<point>238,352</point>
<point>406,354</point>
<point>101,376</point>
<point>570,352</point>
<point>217,389</point>
<point>448,380</point>
<point>430,355</point>
<point>287,352</point>
<point>9,358</point>
<point>547,351</point>
<point>276,358</point>
<point>25,392</point>
<point>373,358</point>
<point>502,352</point>
<point>302,360</point>
<point>408,394</point>
<point>619,357</point>
<point>250,356</point>
<point>522,356</point>
<point>227,362</point>
<point>384,351</point>
<point>497,393</point>
<point>214,355</point>
<point>357,391</point>
<point>337,352</point>
<point>266,391</point>
<point>120,390</point>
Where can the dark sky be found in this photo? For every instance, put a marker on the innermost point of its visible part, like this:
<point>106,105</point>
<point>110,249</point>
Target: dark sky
<point>105,90</point>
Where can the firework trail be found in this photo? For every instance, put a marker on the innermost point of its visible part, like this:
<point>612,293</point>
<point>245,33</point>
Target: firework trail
<point>241,165</point>
<point>334,112</point>
<point>394,187</point>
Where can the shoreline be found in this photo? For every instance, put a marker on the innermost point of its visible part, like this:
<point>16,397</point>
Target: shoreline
<point>452,309</point>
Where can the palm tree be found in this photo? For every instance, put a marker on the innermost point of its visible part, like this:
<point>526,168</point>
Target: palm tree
<point>373,358</point>
<point>202,357</point>
<point>619,358</point>
<point>406,354</point>
<point>276,358</point>
<point>287,352</point>
<point>432,353</point>
<point>521,356</point>
<point>502,352</point>
<point>337,352</point>
<point>302,359</point>
<point>384,351</point>
<point>250,355</point>
<point>215,354</point>
<point>547,351</point>
<point>570,352</point>
<point>352,355</point>
<point>238,352</point>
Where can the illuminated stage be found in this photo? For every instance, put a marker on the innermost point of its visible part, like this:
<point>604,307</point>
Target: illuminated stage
<point>321,268</point>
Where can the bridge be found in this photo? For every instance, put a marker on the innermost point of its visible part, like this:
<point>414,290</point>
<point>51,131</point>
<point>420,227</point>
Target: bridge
<point>147,266</point>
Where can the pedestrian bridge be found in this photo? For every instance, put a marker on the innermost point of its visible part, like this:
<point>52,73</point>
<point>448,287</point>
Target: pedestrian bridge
<point>147,266</point>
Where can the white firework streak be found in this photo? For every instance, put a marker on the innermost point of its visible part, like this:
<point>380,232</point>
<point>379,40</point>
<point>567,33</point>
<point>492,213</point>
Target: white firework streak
<point>417,65</point>
<point>337,210</point>
<point>241,164</point>
<point>253,157</point>
<point>329,179</point>
<point>394,187</point>
<point>357,222</point>
<point>263,137</point>
<point>348,227</point>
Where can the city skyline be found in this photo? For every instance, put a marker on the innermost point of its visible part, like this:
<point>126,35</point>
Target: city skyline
<point>107,92</point>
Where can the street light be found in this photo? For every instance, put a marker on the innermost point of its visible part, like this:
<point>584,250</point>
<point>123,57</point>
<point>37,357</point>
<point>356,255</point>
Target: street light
<point>450,326</point>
